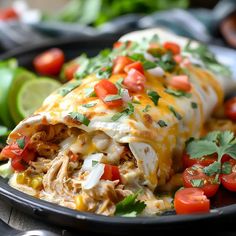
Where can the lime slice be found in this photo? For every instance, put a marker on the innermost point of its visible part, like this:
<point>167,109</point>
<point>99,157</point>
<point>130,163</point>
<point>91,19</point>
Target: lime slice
<point>20,77</point>
<point>33,93</point>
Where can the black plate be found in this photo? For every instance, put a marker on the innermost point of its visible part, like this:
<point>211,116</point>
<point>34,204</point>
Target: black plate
<point>224,207</point>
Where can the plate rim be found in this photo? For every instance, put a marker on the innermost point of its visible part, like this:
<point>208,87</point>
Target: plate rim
<point>7,193</point>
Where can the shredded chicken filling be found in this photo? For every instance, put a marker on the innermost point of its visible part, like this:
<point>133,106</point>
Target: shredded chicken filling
<point>69,167</point>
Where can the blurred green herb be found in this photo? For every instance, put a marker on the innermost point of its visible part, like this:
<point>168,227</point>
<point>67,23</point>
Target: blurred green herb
<point>97,12</point>
<point>207,57</point>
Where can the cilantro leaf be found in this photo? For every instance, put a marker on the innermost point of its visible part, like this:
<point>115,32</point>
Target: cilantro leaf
<point>104,73</point>
<point>88,105</point>
<point>226,168</point>
<point>21,143</point>
<point>175,113</point>
<point>178,93</point>
<point>161,123</point>
<point>149,65</point>
<point>63,91</point>
<point>197,182</point>
<point>89,92</point>
<point>212,169</point>
<point>146,63</point>
<point>94,163</point>
<point>194,105</point>
<point>130,206</point>
<point>147,108</point>
<point>225,137</point>
<point>154,96</point>
<point>79,117</point>
<point>119,84</point>
<point>212,136</point>
<point>128,111</point>
<point>167,62</point>
<point>231,151</point>
<point>200,148</point>
<point>110,98</point>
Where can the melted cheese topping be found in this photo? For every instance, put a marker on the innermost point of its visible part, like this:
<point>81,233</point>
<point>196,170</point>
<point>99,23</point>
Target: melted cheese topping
<point>168,142</point>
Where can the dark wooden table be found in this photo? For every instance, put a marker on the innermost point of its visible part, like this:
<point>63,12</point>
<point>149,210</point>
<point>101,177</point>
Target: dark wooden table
<point>22,221</point>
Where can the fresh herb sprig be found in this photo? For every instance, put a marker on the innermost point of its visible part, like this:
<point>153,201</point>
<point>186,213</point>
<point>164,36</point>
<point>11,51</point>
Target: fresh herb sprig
<point>217,142</point>
<point>130,206</point>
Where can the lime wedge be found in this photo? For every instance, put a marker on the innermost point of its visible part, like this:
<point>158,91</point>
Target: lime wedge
<point>6,78</point>
<point>20,77</point>
<point>33,93</point>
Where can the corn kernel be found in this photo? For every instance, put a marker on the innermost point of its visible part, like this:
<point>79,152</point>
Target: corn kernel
<point>80,203</point>
<point>20,178</point>
<point>36,182</point>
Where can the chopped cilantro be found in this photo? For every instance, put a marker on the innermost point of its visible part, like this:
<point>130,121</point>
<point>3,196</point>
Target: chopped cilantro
<point>110,98</point>
<point>146,63</point>
<point>154,96</point>
<point>128,111</point>
<point>226,168</point>
<point>104,73</point>
<point>79,117</point>
<point>147,108</point>
<point>194,105</point>
<point>88,105</point>
<point>149,65</point>
<point>197,182</point>
<point>178,93</point>
<point>175,113</point>
<point>161,123</point>
<point>167,62</point>
<point>89,92</point>
<point>63,91</point>
<point>94,163</point>
<point>130,206</point>
<point>212,169</point>
<point>21,143</point>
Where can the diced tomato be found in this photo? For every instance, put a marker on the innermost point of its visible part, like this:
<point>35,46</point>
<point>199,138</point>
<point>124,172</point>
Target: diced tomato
<point>8,14</point>
<point>173,47</point>
<point>204,161</point>
<point>111,173</point>
<point>135,81</point>
<point>105,88</point>
<point>120,63</point>
<point>19,155</point>
<point>17,164</point>
<point>194,173</point>
<point>11,151</point>
<point>230,109</point>
<point>180,82</point>
<point>70,71</point>
<point>135,65</point>
<point>28,155</point>
<point>49,62</point>
<point>191,200</point>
